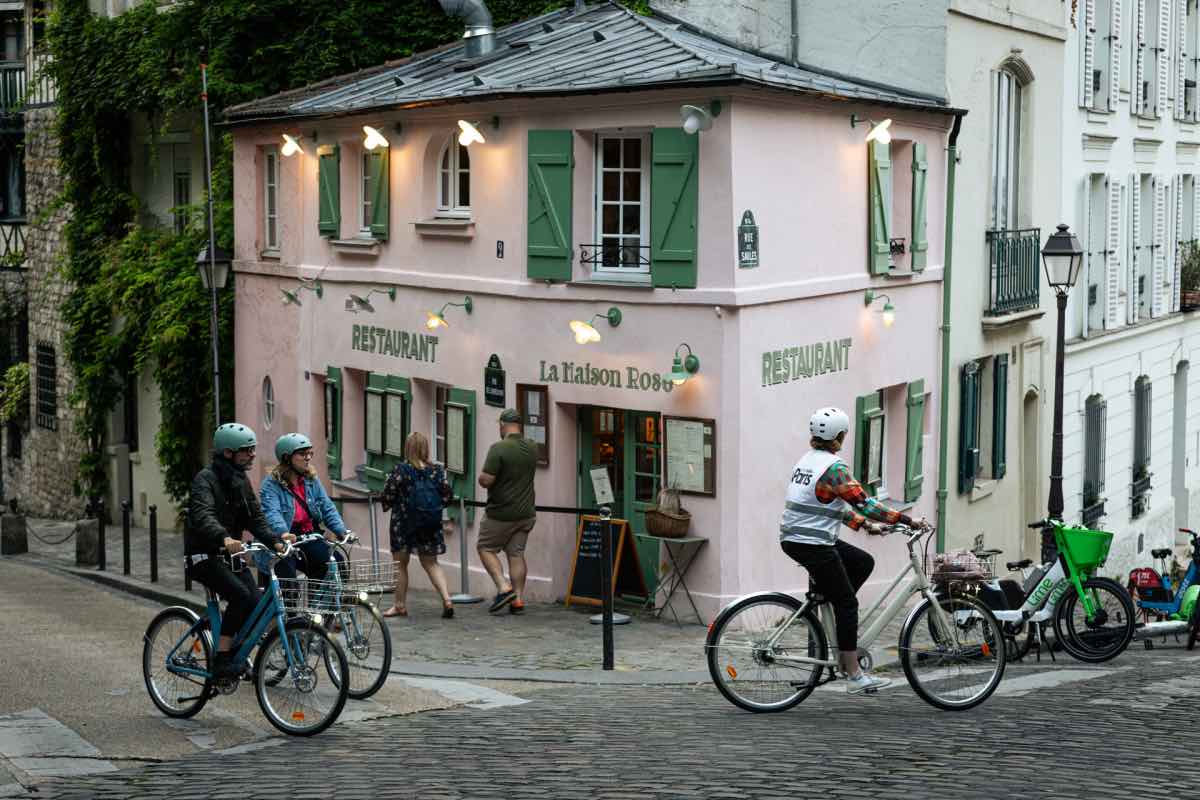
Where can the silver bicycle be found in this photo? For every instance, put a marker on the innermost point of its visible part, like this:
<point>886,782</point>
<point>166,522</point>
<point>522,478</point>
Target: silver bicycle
<point>768,651</point>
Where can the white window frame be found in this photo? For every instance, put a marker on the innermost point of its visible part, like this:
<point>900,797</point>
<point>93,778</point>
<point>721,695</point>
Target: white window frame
<point>270,192</point>
<point>1007,92</point>
<point>441,396</point>
<point>451,206</point>
<point>640,272</point>
<point>364,192</point>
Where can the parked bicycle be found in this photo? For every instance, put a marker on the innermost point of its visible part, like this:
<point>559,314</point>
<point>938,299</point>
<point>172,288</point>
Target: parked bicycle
<point>296,672</point>
<point>768,651</point>
<point>1155,594</point>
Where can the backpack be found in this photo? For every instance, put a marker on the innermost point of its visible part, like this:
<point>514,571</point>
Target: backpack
<point>424,501</point>
<point>1145,584</point>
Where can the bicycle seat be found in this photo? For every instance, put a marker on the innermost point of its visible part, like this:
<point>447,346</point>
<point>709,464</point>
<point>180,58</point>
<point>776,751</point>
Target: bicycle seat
<point>1162,552</point>
<point>1013,566</point>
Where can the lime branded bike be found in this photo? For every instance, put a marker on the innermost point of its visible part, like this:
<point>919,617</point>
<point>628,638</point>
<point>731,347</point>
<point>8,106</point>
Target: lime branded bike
<point>768,651</point>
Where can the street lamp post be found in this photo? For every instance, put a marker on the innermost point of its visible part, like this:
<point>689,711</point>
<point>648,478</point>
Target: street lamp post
<point>213,263</point>
<point>1062,257</point>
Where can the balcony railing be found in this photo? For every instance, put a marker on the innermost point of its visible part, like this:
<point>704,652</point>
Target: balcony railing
<point>12,243</point>
<point>1013,257</point>
<point>12,86</point>
<point>16,93</point>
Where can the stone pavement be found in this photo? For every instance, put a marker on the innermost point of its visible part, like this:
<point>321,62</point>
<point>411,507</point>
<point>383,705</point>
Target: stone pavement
<point>546,643</point>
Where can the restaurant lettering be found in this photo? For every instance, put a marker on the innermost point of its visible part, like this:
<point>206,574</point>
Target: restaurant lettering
<point>805,361</point>
<point>397,343</point>
<point>587,375</point>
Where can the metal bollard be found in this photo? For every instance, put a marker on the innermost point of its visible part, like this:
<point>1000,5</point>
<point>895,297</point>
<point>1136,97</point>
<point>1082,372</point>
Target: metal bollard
<point>98,507</point>
<point>606,587</point>
<point>154,544</point>
<point>126,509</point>
<point>465,596</point>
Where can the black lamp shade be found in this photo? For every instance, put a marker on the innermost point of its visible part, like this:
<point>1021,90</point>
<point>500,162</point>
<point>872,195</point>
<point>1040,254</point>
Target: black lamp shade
<point>1062,257</point>
<point>220,266</point>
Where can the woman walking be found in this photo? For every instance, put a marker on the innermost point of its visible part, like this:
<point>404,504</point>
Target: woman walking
<point>416,492</point>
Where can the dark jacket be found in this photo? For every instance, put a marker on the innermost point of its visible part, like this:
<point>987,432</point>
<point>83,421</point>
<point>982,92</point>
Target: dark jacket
<point>223,504</point>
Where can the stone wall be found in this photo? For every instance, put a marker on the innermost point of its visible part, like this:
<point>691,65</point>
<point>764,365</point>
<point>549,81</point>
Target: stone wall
<point>51,456</point>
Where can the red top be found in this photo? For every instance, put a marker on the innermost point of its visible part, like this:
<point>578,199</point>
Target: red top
<point>301,521</point>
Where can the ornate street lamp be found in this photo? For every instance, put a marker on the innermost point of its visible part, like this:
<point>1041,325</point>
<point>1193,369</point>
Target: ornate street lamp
<point>1062,257</point>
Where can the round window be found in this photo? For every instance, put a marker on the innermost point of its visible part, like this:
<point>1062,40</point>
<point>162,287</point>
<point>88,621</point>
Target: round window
<point>268,398</point>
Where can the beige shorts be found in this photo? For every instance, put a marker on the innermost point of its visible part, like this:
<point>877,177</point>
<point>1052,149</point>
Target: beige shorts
<point>510,536</point>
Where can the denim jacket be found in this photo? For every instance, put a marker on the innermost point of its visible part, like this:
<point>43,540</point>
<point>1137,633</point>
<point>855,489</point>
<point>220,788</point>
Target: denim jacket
<point>279,506</point>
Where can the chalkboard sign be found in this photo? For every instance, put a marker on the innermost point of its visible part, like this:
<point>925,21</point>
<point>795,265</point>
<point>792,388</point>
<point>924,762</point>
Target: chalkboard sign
<point>584,586</point>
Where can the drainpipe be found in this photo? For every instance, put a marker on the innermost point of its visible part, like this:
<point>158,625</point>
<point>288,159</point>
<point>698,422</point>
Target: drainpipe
<point>795,33</point>
<point>479,35</point>
<point>947,259</point>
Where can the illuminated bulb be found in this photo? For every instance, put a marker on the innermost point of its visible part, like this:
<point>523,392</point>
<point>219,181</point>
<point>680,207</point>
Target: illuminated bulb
<point>470,134</point>
<point>374,138</point>
<point>889,315</point>
<point>290,146</point>
<point>880,132</point>
<point>434,321</point>
<point>584,333</point>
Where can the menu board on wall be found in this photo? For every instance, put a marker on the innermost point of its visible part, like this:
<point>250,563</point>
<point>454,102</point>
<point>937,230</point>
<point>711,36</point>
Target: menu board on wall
<point>690,447</point>
<point>456,438</point>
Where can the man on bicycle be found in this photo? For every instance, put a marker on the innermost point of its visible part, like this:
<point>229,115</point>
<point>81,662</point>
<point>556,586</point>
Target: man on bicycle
<point>822,496</point>
<point>221,506</point>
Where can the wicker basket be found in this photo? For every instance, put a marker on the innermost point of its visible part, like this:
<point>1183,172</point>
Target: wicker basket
<point>666,524</point>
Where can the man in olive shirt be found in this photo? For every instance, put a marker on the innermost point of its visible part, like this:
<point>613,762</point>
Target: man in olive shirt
<point>508,476</point>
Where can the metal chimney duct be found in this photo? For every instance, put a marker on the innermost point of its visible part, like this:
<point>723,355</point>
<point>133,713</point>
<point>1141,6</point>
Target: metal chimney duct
<point>479,36</point>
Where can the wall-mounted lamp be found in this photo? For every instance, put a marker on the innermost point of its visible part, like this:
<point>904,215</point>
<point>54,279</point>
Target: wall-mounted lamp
<point>291,145</point>
<point>469,133</point>
<point>682,369</point>
<point>356,303</point>
<point>585,333</point>
<point>373,138</point>
<point>293,296</point>
<point>879,130</point>
<point>696,118</point>
<point>889,310</point>
<point>433,321</point>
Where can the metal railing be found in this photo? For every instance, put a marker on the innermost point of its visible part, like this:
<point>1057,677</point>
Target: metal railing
<point>12,243</point>
<point>613,254</point>
<point>12,86</point>
<point>1015,284</point>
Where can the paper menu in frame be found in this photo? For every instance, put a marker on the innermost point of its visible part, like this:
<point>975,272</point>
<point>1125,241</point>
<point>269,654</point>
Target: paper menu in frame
<point>689,445</point>
<point>456,438</point>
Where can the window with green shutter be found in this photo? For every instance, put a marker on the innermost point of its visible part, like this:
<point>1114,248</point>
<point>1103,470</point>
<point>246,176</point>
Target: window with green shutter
<point>386,422</point>
<point>968,427</point>
<point>333,421</point>
<point>377,217</point>
<point>329,214</point>
<point>879,181</point>
<point>464,484</point>
<point>914,450</point>
<point>674,207</point>
<point>869,441</point>
<point>999,415</point>
<point>549,241</point>
<point>919,243</point>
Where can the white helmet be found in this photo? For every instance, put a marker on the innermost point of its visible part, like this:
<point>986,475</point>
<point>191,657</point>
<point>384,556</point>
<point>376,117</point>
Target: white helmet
<point>827,423</point>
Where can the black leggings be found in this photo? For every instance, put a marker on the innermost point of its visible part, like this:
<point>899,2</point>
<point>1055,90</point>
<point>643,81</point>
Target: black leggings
<point>236,588</point>
<point>836,572</point>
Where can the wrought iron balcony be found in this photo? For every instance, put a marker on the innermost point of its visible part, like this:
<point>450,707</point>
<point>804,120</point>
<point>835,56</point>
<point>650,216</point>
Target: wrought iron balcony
<point>613,253</point>
<point>12,243</point>
<point>1139,495</point>
<point>1013,258</point>
<point>12,86</point>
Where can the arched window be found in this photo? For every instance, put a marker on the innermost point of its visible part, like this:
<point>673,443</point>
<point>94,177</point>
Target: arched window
<point>454,180</point>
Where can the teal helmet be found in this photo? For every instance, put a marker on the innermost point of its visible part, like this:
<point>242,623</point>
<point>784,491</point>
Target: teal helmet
<point>233,436</point>
<point>290,443</point>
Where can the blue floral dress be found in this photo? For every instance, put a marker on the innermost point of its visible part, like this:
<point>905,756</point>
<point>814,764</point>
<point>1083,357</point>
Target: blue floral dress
<point>396,491</point>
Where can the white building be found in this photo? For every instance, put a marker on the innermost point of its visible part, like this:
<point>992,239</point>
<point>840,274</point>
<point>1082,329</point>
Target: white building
<point>1131,134</point>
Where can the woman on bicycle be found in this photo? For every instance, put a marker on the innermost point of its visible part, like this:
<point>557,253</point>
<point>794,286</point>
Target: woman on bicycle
<point>822,496</point>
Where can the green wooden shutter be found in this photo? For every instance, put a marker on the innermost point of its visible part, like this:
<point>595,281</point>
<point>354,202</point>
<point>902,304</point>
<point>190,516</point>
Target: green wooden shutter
<point>329,217</point>
<point>379,199</point>
<point>380,464</point>
<point>464,485</point>
<point>968,427</point>
<point>999,414</point>
<point>879,180</point>
<point>919,247</point>
<point>674,206</point>
<point>866,408</point>
<point>548,249</point>
<point>333,422</point>
<point>914,457</point>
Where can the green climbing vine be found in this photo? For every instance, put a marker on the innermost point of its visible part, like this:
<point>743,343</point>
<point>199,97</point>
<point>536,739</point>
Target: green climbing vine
<point>137,301</point>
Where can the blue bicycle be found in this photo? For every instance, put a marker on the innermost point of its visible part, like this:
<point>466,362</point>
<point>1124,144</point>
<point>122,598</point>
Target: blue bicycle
<point>1165,600</point>
<point>297,672</point>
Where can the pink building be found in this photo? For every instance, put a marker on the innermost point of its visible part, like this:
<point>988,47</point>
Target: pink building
<point>754,242</point>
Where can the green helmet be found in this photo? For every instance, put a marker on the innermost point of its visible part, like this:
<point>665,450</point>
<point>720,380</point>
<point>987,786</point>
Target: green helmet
<point>233,436</point>
<point>290,443</point>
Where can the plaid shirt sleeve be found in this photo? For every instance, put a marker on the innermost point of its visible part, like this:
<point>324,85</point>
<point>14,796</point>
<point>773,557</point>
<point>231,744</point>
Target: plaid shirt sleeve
<point>838,482</point>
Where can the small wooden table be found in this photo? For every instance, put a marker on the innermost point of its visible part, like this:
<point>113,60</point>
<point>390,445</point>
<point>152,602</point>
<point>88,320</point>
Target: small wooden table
<point>681,552</point>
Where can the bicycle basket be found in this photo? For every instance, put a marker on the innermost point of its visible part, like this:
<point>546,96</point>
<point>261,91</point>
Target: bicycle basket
<point>1085,549</point>
<point>368,576</point>
<point>307,596</point>
<point>958,566</point>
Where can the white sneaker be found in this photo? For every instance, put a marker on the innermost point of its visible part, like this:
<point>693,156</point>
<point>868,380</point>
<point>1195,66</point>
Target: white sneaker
<point>866,683</point>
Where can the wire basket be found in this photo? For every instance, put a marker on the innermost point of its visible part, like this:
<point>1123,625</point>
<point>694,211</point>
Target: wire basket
<point>373,577</point>
<point>959,566</point>
<point>307,596</point>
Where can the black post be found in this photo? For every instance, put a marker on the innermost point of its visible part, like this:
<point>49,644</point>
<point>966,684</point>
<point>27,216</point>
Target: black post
<point>98,507</point>
<point>1054,505</point>
<point>154,544</point>
<point>606,587</point>
<point>126,508</point>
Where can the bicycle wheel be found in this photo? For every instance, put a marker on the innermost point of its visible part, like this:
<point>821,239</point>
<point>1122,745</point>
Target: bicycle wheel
<point>307,699</point>
<point>749,673</point>
<point>956,667</point>
<point>170,636</point>
<point>1104,636</point>
<point>1195,634</point>
<point>367,643</point>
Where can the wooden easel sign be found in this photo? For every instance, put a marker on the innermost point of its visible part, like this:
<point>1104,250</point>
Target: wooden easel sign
<point>584,586</point>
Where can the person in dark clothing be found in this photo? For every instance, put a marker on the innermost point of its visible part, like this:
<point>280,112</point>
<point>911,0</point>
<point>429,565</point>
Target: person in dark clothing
<point>221,506</point>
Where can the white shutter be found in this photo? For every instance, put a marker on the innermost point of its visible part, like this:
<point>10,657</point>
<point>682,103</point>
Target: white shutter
<point>1087,96</point>
<point>1159,267</point>
<point>1180,51</point>
<point>1139,59</point>
<point>1164,57</point>
<point>1195,207</point>
<point>1112,261</point>
<point>1177,250</point>
<point>1114,55</point>
<point>1135,214</point>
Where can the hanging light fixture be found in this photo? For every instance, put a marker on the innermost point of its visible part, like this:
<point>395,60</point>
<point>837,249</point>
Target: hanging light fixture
<point>374,138</point>
<point>292,297</point>
<point>469,133</point>
<point>888,310</point>
<point>683,368</point>
<point>291,145</point>
<point>879,130</point>
<point>357,303</point>
<point>585,333</point>
<point>435,320</point>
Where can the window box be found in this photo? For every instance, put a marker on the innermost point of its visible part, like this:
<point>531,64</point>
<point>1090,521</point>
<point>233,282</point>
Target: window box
<point>1093,513</point>
<point>448,228</point>
<point>1139,496</point>
<point>358,246</point>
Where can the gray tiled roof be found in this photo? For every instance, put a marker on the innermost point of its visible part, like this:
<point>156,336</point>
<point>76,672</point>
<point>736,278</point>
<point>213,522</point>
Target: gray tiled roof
<point>604,48</point>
